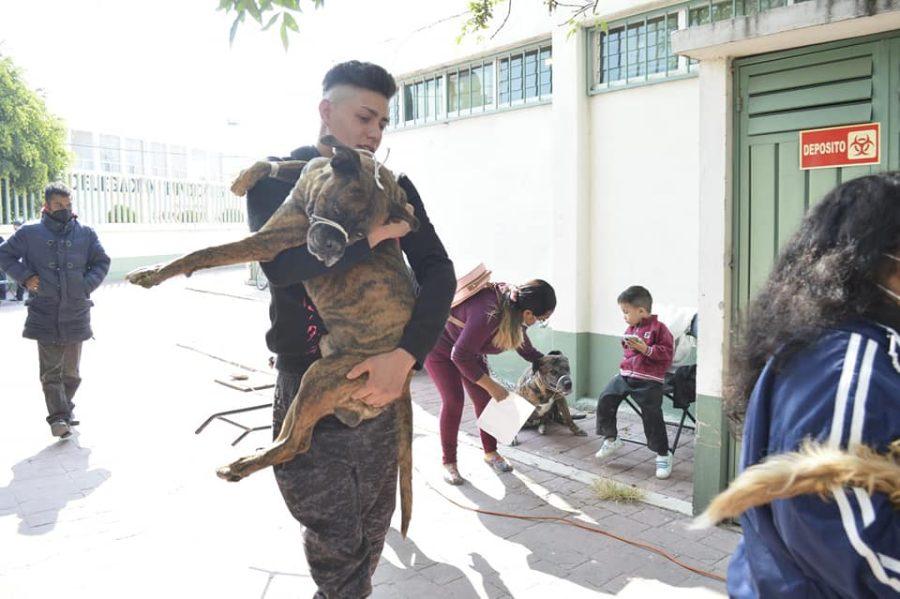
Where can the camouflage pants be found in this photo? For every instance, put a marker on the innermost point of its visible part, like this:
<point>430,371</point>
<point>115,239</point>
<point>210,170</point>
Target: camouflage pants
<point>343,490</point>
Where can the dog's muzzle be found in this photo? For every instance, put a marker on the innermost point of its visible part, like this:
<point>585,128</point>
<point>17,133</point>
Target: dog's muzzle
<point>326,239</point>
<point>563,385</point>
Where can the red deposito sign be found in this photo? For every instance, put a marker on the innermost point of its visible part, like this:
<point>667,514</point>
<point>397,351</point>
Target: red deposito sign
<point>851,145</point>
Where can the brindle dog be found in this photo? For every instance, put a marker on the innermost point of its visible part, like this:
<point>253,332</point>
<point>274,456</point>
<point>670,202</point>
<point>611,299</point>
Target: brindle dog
<point>365,308</point>
<point>546,385</point>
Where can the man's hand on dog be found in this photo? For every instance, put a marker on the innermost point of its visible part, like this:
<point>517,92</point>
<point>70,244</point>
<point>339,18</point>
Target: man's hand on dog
<point>387,376</point>
<point>392,230</point>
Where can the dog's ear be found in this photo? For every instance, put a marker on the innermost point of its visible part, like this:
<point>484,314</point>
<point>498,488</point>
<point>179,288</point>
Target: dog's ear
<point>346,160</point>
<point>555,352</point>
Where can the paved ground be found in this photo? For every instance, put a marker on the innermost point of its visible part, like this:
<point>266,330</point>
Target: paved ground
<point>131,506</point>
<point>633,465</point>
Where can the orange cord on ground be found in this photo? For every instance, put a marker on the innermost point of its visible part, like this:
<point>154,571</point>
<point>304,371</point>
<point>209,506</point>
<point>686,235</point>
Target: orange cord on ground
<point>589,528</point>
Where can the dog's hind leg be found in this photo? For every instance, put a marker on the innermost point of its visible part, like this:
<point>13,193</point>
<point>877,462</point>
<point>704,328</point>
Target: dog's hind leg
<point>324,390</point>
<point>287,171</point>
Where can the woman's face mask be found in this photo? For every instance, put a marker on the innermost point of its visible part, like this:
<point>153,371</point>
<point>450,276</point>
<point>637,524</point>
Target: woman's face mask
<point>539,322</point>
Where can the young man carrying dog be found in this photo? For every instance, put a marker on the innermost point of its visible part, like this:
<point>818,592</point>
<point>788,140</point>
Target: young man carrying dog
<point>343,489</point>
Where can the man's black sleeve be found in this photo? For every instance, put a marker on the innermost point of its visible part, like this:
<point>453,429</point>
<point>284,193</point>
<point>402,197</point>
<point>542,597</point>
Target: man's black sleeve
<point>435,277</point>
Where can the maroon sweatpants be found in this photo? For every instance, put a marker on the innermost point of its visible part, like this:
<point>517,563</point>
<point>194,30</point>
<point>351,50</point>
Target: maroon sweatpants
<point>450,384</point>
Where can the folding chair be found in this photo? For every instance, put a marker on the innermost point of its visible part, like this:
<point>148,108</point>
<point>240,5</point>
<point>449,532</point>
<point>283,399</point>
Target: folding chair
<point>681,387</point>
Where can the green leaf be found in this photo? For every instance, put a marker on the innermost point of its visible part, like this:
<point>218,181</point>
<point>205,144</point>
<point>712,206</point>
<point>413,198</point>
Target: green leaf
<point>271,22</point>
<point>289,4</point>
<point>225,5</point>
<point>290,22</point>
<point>265,5</point>
<point>253,9</point>
<point>234,28</point>
<point>284,35</point>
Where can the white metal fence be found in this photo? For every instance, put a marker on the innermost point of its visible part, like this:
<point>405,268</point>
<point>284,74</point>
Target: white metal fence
<point>101,198</point>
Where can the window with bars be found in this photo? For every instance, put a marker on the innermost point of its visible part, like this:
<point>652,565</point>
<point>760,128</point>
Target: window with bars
<point>110,155</point>
<point>637,50</point>
<point>134,157</point>
<point>502,81</point>
<point>83,144</point>
<point>422,100</point>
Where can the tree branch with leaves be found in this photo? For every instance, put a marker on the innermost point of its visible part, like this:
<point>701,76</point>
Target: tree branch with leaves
<point>33,142</point>
<point>480,14</point>
<point>267,13</point>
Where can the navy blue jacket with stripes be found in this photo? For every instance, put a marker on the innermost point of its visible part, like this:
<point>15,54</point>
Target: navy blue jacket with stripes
<point>843,389</point>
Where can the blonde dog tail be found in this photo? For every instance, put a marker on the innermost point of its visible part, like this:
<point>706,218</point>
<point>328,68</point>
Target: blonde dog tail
<point>815,468</point>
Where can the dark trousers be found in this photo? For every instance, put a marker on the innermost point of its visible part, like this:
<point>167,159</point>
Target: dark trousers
<point>59,377</point>
<point>648,396</point>
<point>343,490</point>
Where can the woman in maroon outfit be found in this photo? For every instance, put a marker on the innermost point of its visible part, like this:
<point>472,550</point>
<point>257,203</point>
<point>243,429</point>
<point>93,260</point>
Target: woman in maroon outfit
<point>490,322</point>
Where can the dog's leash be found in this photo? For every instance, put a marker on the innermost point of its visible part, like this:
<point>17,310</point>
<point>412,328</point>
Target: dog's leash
<point>587,527</point>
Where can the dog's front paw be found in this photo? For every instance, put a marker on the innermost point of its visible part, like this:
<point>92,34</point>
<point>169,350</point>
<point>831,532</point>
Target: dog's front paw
<point>146,276</point>
<point>578,432</point>
<point>542,429</point>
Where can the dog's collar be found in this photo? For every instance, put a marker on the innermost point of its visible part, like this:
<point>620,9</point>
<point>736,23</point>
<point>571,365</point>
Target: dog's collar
<point>320,220</point>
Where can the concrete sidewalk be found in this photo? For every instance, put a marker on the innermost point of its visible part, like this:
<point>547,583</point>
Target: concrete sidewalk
<point>131,506</point>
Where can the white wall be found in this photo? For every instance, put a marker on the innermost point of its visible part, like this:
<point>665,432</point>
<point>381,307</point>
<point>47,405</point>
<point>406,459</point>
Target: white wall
<point>487,187</point>
<point>644,197</point>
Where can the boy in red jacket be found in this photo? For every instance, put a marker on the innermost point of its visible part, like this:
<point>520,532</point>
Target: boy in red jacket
<point>648,348</point>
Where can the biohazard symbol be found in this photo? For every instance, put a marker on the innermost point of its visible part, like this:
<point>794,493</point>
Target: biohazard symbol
<point>861,145</point>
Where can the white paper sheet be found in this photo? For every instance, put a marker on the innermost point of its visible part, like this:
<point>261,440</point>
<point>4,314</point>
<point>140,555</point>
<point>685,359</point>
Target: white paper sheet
<point>503,419</point>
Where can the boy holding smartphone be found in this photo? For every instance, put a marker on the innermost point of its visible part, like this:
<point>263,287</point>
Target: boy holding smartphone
<point>648,347</point>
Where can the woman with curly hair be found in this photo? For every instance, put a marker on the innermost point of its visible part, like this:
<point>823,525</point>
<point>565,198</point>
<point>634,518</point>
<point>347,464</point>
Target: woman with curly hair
<point>818,363</point>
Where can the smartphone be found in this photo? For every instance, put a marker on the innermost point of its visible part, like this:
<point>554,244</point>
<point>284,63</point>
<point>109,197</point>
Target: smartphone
<point>627,337</point>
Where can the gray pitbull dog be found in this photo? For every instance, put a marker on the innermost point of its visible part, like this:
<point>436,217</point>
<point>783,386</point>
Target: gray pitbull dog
<point>546,385</point>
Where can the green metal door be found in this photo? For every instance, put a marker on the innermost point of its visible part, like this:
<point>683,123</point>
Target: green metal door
<point>855,81</point>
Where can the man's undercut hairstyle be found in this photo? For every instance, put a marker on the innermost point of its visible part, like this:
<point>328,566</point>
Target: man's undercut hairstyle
<point>56,189</point>
<point>638,297</point>
<point>360,74</point>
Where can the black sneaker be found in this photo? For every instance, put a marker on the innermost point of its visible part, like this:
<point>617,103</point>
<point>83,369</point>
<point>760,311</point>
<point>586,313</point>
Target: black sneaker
<point>60,428</point>
<point>74,422</point>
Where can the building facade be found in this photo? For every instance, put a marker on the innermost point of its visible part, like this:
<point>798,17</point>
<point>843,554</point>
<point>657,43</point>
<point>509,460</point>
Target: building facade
<point>657,144</point>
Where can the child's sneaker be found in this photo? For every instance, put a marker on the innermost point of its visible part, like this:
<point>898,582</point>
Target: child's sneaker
<point>609,447</point>
<point>59,428</point>
<point>664,465</point>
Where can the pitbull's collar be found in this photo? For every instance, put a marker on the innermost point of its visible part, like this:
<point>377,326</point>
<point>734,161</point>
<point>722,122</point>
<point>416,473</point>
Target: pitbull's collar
<point>319,220</point>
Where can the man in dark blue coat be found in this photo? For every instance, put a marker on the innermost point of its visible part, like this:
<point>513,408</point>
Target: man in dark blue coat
<point>61,263</point>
